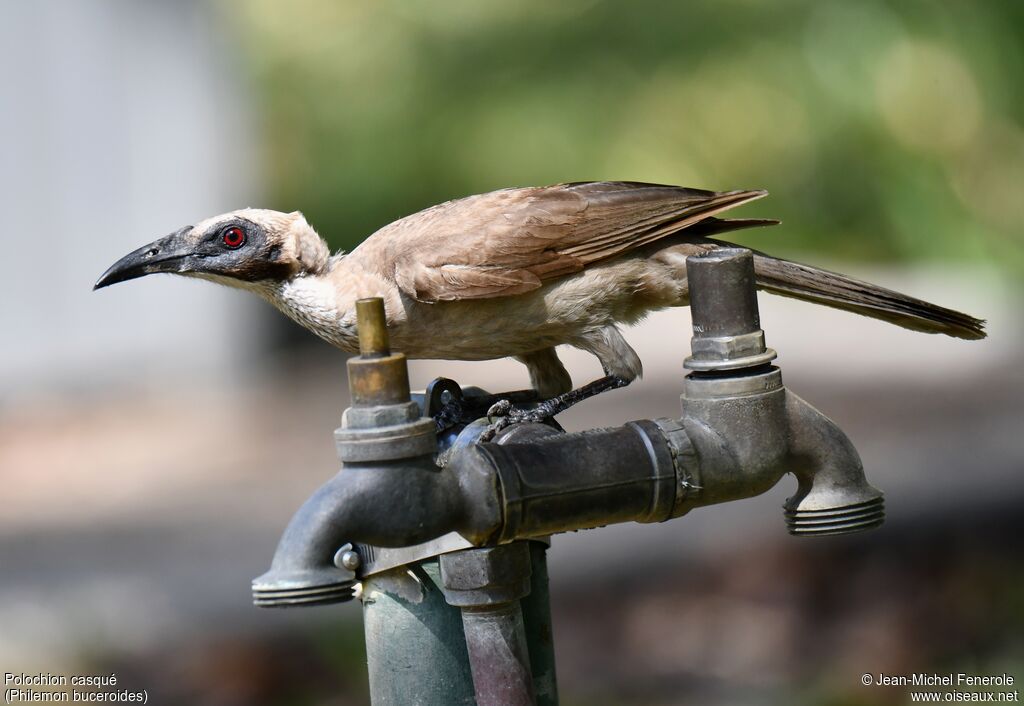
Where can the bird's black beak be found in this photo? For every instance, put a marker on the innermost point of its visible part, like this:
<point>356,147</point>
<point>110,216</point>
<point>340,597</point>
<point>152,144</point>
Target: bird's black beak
<point>168,254</point>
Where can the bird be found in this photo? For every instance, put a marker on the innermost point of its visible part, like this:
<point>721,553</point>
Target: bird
<point>511,273</point>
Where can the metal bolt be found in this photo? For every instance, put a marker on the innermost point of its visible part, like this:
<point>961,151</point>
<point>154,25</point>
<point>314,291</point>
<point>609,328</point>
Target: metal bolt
<point>347,558</point>
<point>486,575</point>
<point>350,560</point>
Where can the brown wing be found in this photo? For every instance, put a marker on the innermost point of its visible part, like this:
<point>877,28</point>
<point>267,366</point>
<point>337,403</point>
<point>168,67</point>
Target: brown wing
<point>511,241</point>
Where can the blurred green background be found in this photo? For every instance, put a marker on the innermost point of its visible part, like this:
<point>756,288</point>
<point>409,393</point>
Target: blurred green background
<point>883,130</point>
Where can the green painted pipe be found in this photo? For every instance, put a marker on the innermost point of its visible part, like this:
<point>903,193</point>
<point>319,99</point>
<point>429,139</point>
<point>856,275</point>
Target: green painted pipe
<point>415,645</point>
<point>415,648</point>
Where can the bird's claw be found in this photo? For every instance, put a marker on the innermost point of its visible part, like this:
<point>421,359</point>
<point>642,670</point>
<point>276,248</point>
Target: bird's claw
<point>501,408</point>
<point>506,414</point>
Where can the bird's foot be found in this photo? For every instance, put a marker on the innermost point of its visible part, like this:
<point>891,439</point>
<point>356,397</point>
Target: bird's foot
<point>508,414</point>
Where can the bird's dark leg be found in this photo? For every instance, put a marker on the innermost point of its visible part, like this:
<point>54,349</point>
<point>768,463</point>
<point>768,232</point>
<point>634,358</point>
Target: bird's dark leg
<point>509,414</point>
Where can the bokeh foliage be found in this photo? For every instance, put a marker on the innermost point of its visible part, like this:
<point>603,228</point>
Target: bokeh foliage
<point>884,130</point>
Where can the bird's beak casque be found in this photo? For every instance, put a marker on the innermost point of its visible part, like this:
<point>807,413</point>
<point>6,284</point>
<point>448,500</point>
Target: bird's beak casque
<point>172,253</point>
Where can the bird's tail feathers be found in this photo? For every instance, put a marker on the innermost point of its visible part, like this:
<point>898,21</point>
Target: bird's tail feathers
<point>812,284</point>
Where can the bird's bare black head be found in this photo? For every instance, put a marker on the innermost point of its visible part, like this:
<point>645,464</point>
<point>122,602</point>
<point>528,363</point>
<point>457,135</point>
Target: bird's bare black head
<point>238,248</point>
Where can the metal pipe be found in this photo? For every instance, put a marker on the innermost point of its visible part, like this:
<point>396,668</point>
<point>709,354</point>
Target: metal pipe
<point>723,293</point>
<point>415,648</point>
<point>416,642</point>
<point>575,481</point>
<point>737,438</point>
<point>376,377</point>
<point>540,640</point>
<point>498,656</point>
<point>487,584</point>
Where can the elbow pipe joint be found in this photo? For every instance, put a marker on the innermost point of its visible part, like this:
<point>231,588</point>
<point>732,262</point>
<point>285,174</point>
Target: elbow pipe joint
<point>401,499</point>
<point>396,502</point>
<point>393,503</point>
<point>389,492</point>
<point>833,495</point>
<point>745,428</point>
<point>742,434</point>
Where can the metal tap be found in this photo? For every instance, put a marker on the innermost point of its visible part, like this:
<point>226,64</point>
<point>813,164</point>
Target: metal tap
<point>739,433</point>
<point>389,491</point>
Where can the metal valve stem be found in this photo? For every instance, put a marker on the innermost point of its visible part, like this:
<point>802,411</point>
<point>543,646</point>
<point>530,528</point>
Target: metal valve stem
<point>727,331</point>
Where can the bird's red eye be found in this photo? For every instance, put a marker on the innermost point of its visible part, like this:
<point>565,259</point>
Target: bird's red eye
<point>233,237</point>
